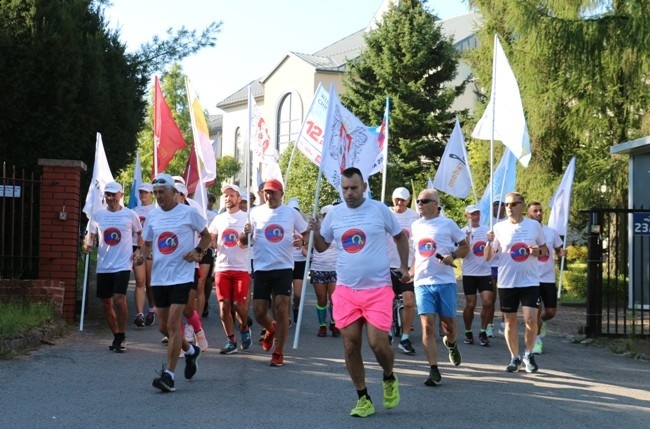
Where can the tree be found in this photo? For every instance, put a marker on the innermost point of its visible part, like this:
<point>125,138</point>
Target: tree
<point>66,76</point>
<point>582,67</point>
<point>409,60</point>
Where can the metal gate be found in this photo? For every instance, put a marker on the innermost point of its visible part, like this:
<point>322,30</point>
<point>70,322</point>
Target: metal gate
<point>618,272</point>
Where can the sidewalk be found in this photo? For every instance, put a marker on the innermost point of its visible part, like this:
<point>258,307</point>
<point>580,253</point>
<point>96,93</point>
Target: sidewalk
<point>78,383</point>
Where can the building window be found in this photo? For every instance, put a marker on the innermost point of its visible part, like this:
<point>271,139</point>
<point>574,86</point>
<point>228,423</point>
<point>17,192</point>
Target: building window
<point>289,120</point>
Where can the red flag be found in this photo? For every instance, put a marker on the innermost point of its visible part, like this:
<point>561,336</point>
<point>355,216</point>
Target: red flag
<point>168,138</point>
<point>191,174</point>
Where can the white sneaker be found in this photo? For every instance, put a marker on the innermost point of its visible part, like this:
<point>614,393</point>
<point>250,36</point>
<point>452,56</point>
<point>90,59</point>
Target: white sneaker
<point>189,333</point>
<point>490,330</point>
<point>537,348</point>
<point>201,341</point>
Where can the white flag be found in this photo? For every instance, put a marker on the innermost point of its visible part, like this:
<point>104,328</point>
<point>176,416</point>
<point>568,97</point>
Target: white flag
<point>453,176</point>
<point>347,143</point>
<point>206,161</point>
<point>260,143</point>
<point>101,176</point>
<point>503,118</point>
<point>560,203</point>
<point>382,138</point>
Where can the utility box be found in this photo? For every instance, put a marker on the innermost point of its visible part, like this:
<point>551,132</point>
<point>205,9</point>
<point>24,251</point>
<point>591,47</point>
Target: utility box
<point>639,220</point>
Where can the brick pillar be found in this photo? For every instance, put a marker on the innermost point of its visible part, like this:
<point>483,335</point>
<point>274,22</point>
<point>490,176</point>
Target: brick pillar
<point>59,238</point>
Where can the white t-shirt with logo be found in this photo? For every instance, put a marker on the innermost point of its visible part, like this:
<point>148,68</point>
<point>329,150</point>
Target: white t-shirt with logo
<point>517,268</point>
<point>324,261</point>
<point>273,231</point>
<point>227,227</point>
<point>547,263</point>
<point>115,231</point>
<point>431,236</point>
<point>360,236</point>
<point>142,212</point>
<point>474,263</point>
<point>405,220</point>
<point>172,234</point>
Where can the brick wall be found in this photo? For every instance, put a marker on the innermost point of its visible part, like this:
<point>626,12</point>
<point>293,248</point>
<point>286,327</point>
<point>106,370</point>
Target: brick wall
<point>34,290</point>
<point>59,239</point>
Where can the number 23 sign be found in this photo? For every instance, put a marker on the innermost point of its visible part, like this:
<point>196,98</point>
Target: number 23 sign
<point>641,223</point>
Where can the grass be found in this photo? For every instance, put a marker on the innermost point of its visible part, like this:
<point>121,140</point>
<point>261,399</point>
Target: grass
<point>17,318</point>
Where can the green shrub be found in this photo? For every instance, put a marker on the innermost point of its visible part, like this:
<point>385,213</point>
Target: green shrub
<point>576,254</point>
<point>574,283</point>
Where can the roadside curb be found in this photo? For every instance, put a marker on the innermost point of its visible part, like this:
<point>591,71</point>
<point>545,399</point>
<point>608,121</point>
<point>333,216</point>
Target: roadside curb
<point>11,347</point>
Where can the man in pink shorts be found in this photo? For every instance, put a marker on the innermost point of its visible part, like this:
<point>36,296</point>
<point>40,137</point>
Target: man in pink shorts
<point>364,292</point>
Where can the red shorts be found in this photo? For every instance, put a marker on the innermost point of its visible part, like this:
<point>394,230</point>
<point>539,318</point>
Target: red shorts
<point>232,285</point>
<point>375,306</point>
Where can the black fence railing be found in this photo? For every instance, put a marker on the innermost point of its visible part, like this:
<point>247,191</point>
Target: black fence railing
<point>20,199</point>
<point>618,272</point>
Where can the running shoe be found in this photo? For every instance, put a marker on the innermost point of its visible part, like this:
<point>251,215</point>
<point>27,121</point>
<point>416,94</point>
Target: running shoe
<point>164,381</point>
<point>267,343</point>
<point>490,331</point>
<point>189,333</point>
<point>537,348</point>
<point>139,320</point>
<point>434,378</point>
<point>336,332</point>
<point>262,335</point>
<point>391,392</point>
<point>150,318</point>
<point>165,340</point>
<point>483,339</point>
<point>119,345</point>
<point>514,365</point>
<point>469,338</point>
<point>542,330</point>
<point>229,348</point>
<point>530,364</point>
<point>454,354</point>
<point>246,342</point>
<point>407,347</point>
<point>191,363</point>
<point>201,341</point>
<point>364,408</point>
<point>322,331</point>
<point>277,359</point>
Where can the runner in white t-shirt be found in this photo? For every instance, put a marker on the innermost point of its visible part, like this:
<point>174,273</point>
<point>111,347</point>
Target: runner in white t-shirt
<point>142,273</point>
<point>273,226</point>
<point>170,233</point>
<point>232,279</point>
<point>405,217</point>
<point>438,242</point>
<point>547,288</point>
<point>115,226</point>
<point>477,279</point>
<point>363,294</point>
<point>521,242</point>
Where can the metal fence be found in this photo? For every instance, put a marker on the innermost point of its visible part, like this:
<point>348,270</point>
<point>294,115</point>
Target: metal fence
<point>618,272</point>
<point>19,223</point>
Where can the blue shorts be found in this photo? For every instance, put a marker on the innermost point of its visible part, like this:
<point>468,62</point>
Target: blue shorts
<point>440,299</point>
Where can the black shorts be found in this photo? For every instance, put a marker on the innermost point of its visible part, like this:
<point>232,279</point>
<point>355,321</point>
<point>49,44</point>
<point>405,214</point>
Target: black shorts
<point>399,287</point>
<point>511,297</point>
<point>109,284</point>
<point>495,273</point>
<point>272,282</point>
<point>299,270</point>
<point>548,294</point>
<point>165,296</point>
<point>474,284</point>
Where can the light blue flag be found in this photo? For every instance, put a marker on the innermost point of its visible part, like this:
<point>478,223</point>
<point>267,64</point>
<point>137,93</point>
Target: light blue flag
<point>134,198</point>
<point>505,180</point>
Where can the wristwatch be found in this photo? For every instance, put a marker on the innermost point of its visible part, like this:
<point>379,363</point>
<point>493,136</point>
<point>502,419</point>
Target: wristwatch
<point>199,250</point>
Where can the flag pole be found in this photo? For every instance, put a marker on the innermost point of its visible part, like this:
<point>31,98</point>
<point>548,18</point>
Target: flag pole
<point>385,172</point>
<point>247,173</point>
<point>155,146</point>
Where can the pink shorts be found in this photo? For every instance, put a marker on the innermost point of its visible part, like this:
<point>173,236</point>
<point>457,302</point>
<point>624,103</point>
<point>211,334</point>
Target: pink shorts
<point>232,285</point>
<point>375,306</point>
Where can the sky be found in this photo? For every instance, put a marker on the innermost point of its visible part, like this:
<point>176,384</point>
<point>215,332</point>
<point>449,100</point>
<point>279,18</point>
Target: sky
<point>255,34</point>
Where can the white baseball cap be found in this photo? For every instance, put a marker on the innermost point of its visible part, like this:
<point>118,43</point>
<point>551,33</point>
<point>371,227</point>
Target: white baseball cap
<point>401,193</point>
<point>472,208</point>
<point>231,186</point>
<point>113,187</point>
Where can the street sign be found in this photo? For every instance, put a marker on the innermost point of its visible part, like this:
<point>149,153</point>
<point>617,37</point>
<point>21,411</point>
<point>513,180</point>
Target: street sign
<point>10,191</point>
<point>641,223</point>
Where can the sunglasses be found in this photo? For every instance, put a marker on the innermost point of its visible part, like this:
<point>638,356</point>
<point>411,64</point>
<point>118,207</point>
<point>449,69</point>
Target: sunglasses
<point>424,201</point>
<point>159,182</point>
<point>513,204</point>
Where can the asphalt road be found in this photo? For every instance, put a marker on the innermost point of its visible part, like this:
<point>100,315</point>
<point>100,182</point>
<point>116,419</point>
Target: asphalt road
<point>78,383</point>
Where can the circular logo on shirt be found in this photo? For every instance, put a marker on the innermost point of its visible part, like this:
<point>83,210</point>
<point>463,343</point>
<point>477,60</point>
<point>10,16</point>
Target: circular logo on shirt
<point>274,233</point>
<point>519,252</point>
<point>112,236</point>
<point>427,247</point>
<point>230,237</point>
<point>142,219</point>
<point>353,240</point>
<point>167,243</point>
<point>479,248</point>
